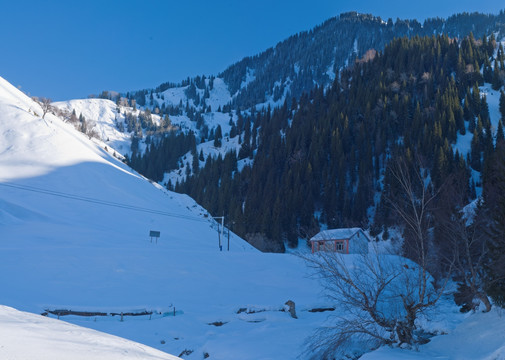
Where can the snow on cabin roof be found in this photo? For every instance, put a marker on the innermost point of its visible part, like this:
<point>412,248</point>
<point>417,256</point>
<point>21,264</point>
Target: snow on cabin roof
<point>335,234</point>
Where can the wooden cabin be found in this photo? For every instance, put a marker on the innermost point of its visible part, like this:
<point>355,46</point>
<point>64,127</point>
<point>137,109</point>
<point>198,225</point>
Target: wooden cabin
<point>346,241</point>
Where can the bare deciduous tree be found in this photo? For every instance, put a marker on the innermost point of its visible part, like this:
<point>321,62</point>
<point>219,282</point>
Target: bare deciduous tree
<point>412,203</point>
<point>355,285</point>
<point>380,297</point>
<point>470,251</point>
<point>45,103</point>
<point>413,206</point>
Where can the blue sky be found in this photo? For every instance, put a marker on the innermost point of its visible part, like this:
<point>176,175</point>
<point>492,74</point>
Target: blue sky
<point>70,49</point>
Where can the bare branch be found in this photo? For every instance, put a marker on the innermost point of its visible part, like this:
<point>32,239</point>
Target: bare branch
<point>383,295</point>
<point>45,103</point>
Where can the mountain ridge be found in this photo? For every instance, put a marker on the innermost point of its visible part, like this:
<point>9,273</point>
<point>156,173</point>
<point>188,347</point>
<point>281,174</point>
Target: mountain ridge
<point>313,57</point>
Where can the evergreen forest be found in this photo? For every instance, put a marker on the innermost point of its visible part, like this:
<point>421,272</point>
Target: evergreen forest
<point>323,160</point>
<point>327,157</point>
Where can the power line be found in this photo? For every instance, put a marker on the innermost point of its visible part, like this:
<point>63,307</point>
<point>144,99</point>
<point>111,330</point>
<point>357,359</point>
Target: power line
<point>99,201</point>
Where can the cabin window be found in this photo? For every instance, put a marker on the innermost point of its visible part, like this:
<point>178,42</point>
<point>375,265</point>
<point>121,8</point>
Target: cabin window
<point>339,246</point>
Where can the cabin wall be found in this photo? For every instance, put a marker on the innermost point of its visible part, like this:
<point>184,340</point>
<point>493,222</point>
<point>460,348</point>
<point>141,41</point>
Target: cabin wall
<point>358,244</point>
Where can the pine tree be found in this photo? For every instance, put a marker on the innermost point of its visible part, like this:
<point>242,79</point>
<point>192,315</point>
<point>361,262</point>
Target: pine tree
<point>467,112</point>
<point>476,101</point>
<point>195,164</point>
<point>475,151</point>
<point>218,135</point>
<point>494,200</point>
<point>502,105</point>
<point>496,81</point>
<point>488,71</point>
<point>500,137</point>
<point>484,110</point>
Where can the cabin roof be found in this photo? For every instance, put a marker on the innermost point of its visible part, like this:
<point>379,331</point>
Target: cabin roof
<point>336,234</point>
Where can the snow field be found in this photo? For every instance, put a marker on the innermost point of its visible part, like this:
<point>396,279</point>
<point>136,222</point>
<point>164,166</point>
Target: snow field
<point>33,337</point>
<point>75,222</point>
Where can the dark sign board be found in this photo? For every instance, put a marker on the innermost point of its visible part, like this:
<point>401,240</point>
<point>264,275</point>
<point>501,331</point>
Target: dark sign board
<point>154,234</point>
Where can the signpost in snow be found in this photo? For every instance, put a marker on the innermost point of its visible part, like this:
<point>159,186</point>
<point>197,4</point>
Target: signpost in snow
<point>154,234</point>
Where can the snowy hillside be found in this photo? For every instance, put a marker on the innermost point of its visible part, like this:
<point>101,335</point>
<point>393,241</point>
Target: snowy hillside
<point>75,228</point>
<point>102,115</point>
<point>218,95</point>
<point>108,122</point>
<point>463,143</point>
<point>206,149</point>
<point>33,337</point>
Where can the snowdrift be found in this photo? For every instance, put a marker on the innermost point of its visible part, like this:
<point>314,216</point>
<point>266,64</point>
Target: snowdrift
<point>34,337</point>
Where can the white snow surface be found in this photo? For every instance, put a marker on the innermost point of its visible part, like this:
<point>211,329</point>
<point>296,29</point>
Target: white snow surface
<point>26,336</point>
<point>101,114</point>
<point>479,336</point>
<point>75,223</point>
<point>493,102</point>
<point>219,95</point>
<point>463,142</point>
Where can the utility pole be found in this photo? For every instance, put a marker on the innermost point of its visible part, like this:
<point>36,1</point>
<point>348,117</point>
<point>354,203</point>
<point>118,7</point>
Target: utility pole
<point>232,225</point>
<point>220,232</point>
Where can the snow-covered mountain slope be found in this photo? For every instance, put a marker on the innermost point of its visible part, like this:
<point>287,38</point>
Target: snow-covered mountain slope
<point>463,143</point>
<point>216,96</point>
<point>219,95</point>
<point>102,116</point>
<point>75,223</point>
<point>294,65</point>
<point>26,336</point>
<point>206,149</point>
